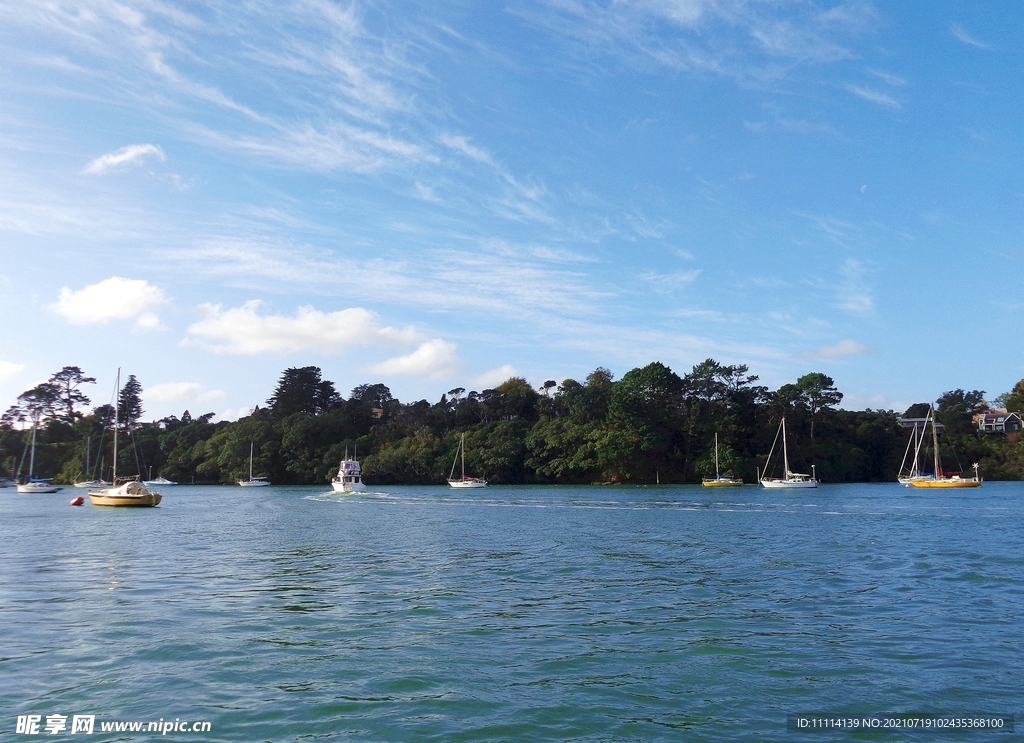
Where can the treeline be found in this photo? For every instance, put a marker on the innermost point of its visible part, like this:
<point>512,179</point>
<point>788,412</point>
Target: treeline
<point>650,425</point>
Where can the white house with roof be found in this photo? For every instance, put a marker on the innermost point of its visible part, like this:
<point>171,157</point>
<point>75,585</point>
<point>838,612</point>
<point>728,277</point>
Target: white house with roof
<point>999,421</point>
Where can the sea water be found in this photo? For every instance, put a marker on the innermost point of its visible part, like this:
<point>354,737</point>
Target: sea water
<point>513,613</point>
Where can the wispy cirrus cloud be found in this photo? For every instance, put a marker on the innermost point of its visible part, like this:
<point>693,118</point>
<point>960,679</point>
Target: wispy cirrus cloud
<point>963,37</point>
<point>874,96</point>
<point>133,154</point>
<point>853,296</point>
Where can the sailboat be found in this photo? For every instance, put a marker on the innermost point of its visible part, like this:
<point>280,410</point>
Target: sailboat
<point>253,482</point>
<point>90,483</point>
<point>912,471</point>
<point>350,476</point>
<point>32,485</point>
<point>720,480</point>
<point>132,493</point>
<point>939,480</point>
<point>463,481</point>
<point>789,479</point>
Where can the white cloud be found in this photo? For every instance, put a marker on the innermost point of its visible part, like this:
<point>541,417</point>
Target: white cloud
<point>182,392</point>
<point>436,358</point>
<point>854,297</point>
<point>965,38</point>
<point>233,414</point>
<point>838,350</point>
<point>242,330</point>
<point>131,155</point>
<point>9,370</point>
<point>426,192</point>
<point>115,298</point>
<point>873,96</point>
<point>494,377</point>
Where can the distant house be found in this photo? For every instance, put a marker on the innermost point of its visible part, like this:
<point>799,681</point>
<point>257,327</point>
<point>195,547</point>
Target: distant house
<point>998,421</point>
<point>919,423</point>
<point>377,412</point>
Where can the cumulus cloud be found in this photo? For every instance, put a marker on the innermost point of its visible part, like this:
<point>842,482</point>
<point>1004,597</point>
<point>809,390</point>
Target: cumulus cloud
<point>243,331</point>
<point>839,350</point>
<point>436,358</point>
<point>494,377</point>
<point>9,370</point>
<point>133,154</point>
<point>115,298</point>
<point>182,392</point>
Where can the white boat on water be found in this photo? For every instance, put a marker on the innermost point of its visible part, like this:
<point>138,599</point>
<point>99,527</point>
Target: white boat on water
<point>33,485</point>
<point>95,483</point>
<point>789,479</point>
<point>463,481</point>
<point>253,482</point>
<point>130,494</point>
<point>349,478</point>
<point>159,481</point>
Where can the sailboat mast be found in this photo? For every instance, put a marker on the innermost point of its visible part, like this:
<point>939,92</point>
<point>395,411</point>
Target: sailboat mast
<point>718,475</point>
<point>462,445</point>
<point>32,456</point>
<point>251,445</point>
<point>785,451</point>
<point>117,414</point>
<point>935,441</point>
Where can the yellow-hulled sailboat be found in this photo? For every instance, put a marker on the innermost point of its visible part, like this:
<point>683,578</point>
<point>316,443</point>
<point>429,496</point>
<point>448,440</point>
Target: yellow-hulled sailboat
<point>940,480</point>
<point>131,493</point>
<point>720,480</point>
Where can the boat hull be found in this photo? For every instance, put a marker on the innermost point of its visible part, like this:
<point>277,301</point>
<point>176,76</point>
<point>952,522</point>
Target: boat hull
<point>37,487</point>
<point>348,487</point>
<point>93,484</point>
<point>790,484</point>
<point>723,482</point>
<point>253,483</point>
<point>957,483</point>
<point>129,495</point>
<point>466,484</point>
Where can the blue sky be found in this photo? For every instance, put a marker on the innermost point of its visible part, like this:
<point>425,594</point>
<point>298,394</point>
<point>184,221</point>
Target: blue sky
<point>434,195</point>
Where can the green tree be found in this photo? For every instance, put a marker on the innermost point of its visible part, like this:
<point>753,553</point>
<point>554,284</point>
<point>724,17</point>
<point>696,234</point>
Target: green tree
<point>818,393</point>
<point>1013,400</point>
<point>66,383</point>
<point>129,402</point>
<point>301,390</point>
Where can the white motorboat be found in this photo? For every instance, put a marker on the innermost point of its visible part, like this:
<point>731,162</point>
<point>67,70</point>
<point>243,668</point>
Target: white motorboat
<point>463,481</point>
<point>789,479</point>
<point>253,482</point>
<point>349,478</point>
<point>159,481</point>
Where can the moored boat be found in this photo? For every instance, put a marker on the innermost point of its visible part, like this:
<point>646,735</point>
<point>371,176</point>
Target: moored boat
<point>940,479</point>
<point>253,482</point>
<point>464,481</point>
<point>32,484</point>
<point>132,493</point>
<point>789,479</point>
<point>720,480</point>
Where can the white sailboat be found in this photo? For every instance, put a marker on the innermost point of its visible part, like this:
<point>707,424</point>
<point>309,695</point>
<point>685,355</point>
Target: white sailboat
<point>911,472</point>
<point>463,481</point>
<point>720,480</point>
<point>32,485</point>
<point>132,493</point>
<point>350,476</point>
<point>789,479</point>
<point>253,482</point>
<point>91,483</point>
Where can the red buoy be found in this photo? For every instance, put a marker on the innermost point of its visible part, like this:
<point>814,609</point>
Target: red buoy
<point>78,501</point>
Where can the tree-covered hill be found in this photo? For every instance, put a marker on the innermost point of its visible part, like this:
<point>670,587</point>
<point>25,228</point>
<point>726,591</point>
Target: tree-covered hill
<point>650,425</point>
